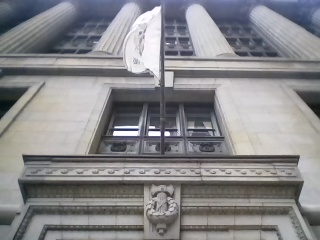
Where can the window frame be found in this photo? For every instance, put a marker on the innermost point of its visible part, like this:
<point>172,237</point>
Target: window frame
<point>32,88</point>
<point>183,140</point>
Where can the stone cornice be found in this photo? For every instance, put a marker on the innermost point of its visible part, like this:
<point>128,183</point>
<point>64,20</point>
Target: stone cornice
<point>96,158</point>
<point>263,175</point>
<point>42,64</point>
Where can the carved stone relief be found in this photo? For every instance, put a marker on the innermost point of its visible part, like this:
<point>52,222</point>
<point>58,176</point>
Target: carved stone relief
<point>162,212</point>
<point>162,209</point>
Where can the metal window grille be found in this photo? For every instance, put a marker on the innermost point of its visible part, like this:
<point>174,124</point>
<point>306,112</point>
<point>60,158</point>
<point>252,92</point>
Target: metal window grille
<point>190,129</point>
<point>245,40</point>
<point>177,38</point>
<point>83,37</point>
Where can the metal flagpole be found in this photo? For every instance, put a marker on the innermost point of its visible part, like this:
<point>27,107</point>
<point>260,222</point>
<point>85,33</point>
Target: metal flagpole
<point>162,85</point>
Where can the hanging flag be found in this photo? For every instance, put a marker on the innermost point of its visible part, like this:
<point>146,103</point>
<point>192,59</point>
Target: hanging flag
<point>141,47</point>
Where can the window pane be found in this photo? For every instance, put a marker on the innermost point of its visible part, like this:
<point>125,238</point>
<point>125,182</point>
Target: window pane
<point>203,133</point>
<point>171,122</point>
<point>129,121</point>
<point>169,110</point>
<point>199,122</point>
<point>167,133</point>
<point>196,110</point>
<point>124,133</point>
<point>129,109</point>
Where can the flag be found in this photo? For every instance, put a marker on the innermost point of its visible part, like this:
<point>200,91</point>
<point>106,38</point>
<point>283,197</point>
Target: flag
<point>141,47</point>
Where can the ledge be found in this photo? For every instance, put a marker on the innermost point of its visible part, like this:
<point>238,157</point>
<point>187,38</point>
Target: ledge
<point>268,175</point>
<point>88,65</point>
<point>294,159</point>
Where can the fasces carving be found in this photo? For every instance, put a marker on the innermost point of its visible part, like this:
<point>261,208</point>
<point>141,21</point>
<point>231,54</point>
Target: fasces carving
<point>162,209</point>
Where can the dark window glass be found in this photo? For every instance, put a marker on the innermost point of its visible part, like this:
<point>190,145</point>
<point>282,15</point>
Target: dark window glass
<point>188,130</point>
<point>8,97</point>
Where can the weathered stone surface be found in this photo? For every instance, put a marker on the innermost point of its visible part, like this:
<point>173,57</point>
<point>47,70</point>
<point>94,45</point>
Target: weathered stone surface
<point>291,39</point>
<point>36,34</point>
<point>206,37</point>
<point>112,39</point>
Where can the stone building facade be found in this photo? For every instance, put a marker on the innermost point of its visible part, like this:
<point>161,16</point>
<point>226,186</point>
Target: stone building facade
<point>79,134</point>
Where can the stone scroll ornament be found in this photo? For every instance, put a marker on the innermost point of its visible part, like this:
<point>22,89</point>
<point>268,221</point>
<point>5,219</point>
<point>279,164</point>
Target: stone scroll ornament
<point>162,209</point>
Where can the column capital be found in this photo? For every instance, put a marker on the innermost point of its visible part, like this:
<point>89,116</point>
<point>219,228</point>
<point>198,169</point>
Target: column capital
<point>248,6</point>
<point>187,3</point>
<point>7,11</point>
<point>314,16</point>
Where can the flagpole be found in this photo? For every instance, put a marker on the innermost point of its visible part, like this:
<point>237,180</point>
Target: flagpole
<point>162,85</point>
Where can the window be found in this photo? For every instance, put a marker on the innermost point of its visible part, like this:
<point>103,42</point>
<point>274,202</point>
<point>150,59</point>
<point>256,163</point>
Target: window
<point>245,40</point>
<point>135,129</point>
<point>14,97</point>
<point>312,99</point>
<point>8,97</point>
<point>177,38</point>
<point>83,37</point>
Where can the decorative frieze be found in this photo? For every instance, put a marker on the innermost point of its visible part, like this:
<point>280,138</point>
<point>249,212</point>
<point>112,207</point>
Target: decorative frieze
<point>84,191</point>
<point>201,177</point>
<point>237,210</point>
<point>145,171</point>
<point>236,191</point>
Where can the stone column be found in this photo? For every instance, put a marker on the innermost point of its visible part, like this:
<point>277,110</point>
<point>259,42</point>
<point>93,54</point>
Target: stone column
<point>315,17</point>
<point>37,33</point>
<point>207,39</point>
<point>291,39</point>
<point>112,39</point>
<point>6,12</point>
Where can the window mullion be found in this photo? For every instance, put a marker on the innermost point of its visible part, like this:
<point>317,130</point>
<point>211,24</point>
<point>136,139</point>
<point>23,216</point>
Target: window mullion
<point>183,128</point>
<point>215,124</point>
<point>107,132</point>
<point>143,125</point>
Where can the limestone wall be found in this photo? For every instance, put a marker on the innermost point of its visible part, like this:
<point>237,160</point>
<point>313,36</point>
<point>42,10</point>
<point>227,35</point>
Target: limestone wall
<point>262,117</point>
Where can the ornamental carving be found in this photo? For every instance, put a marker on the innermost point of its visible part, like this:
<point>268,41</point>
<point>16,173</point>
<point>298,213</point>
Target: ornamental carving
<point>162,209</point>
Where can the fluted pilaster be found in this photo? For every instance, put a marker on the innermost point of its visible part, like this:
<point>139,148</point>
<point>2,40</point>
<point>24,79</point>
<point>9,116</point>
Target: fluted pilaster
<point>207,39</point>
<point>38,32</point>
<point>291,39</point>
<point>6,12</point>
<point>315,17</point>
<point>112,39</point>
